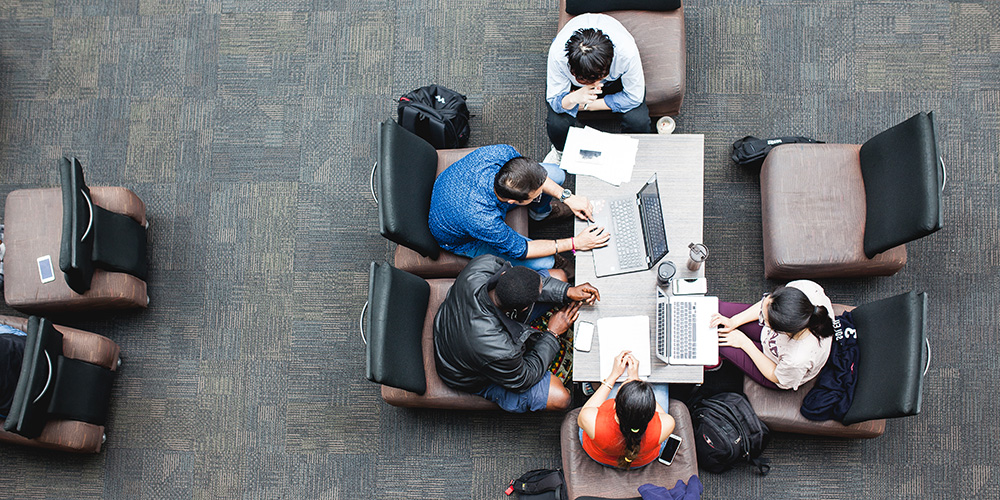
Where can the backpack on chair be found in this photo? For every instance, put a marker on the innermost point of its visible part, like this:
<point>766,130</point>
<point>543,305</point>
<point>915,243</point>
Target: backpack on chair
<point>727,432</point>
<point>437,114</point>
<point>751,150</point>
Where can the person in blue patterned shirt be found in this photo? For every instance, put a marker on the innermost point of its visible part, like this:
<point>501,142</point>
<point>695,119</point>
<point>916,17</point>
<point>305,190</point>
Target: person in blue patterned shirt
<point>472,196</point>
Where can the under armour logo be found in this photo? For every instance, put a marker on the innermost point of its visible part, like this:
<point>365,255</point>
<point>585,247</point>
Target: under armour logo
<point>439,98</point>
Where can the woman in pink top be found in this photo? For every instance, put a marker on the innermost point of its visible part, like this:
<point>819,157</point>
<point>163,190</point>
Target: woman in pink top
<point>783,340</point>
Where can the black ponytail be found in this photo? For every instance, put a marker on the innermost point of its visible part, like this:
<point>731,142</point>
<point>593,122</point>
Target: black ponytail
<point>790,311</point>
<point>820,323</point>
<point>635,406</point>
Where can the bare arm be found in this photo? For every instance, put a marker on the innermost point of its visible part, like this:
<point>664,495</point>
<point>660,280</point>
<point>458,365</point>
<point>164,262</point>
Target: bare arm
<point>591,237</point>
<point>587,419</point>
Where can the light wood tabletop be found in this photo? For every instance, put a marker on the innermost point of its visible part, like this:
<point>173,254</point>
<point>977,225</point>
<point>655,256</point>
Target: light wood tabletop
<point>678,162</point>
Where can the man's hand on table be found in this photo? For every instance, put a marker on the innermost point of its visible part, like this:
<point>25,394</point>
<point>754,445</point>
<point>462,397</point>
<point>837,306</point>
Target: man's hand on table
<point>585,293</point>
<point>561,320</point>
<point>592,237</point>
<point>581,206</point>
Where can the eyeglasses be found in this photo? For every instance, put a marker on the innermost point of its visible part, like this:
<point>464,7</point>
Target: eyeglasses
<point>538,198</point>
<point>760,319</point>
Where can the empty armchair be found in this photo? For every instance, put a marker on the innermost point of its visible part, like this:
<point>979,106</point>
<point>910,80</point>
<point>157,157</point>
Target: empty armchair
<point>840,210</point>
<point>405,172</point>
<point>893,357</point>
<point>97,236</point>
<point>62,395</point>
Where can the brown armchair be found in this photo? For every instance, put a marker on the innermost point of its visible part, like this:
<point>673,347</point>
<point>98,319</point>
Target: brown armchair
<point>96,244</point>
<point>661,42</point>
<point>73,420</point>
<point>842,210</point>
<point>404,179</point>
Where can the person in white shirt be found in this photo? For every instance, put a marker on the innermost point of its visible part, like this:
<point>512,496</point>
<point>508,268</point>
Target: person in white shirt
<point>784,340</point>
<point>594,65</point>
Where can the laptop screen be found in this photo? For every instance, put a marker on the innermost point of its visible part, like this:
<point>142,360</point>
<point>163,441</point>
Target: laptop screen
<point>652,221</point>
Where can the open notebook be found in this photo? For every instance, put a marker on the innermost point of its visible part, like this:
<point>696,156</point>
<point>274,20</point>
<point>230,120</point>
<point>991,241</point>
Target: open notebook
<point>620,333</point>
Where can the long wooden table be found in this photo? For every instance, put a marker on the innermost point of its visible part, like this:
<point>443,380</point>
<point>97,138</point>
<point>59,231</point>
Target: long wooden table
<point>678,161</point>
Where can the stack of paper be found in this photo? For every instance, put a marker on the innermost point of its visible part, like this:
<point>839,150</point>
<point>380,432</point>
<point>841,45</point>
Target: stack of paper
<point>624,333</point>
<point>609,157</point>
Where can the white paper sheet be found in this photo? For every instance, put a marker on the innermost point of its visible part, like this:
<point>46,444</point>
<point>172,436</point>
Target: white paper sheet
<point>609,157</point>
<point>620,333</point>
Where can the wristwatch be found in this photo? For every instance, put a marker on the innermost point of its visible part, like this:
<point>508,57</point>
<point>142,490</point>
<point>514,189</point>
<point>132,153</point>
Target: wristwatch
<point>565,194</point>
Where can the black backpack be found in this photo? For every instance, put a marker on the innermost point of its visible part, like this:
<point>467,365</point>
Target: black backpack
<point>727,431</point>
<point>750,149</point>
<point>539,484</point>
<point>437,114</point>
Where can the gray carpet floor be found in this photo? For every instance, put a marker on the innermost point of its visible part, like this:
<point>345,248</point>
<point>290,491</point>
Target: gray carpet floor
<point>248,128</point>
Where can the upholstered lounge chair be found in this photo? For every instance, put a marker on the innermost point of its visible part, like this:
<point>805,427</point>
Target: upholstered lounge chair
<point>404,179</point>
<point>839,210</point>
<point>893,358</point>
<point>62,394</point>
<point>587,478</point>
<point>95,239</point>
<point>661,42</point>
<point>399,323</point>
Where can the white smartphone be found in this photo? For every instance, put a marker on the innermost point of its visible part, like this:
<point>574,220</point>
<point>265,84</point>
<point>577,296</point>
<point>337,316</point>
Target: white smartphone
<point>670,449</point>
<point>690,286</point>
<point>45,270</point>
<point>584,336</point>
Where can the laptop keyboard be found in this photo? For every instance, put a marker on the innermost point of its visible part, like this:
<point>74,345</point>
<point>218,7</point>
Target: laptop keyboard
<point>628,240</point>
<point>662,313</point>
<point>682,338</point>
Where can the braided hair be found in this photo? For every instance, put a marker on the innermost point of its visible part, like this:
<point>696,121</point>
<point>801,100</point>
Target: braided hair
<point>635,406</point>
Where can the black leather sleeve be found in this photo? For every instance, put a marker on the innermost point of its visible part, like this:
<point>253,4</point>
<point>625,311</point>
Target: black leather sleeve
<point>520,373</point>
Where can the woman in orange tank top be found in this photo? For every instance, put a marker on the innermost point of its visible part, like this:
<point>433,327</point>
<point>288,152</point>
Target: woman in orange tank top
<point>628,430</point>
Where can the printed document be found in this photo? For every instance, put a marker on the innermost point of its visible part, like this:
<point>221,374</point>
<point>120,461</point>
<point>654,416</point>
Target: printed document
<point>609,157</point>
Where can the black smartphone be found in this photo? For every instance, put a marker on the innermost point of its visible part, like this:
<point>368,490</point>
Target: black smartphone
<point>670,449</point>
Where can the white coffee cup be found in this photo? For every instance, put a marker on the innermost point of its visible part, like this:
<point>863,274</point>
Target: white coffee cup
<point>665,125</point>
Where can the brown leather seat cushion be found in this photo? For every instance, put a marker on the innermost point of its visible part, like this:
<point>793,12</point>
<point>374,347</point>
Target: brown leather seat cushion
<point>813,215</point>
<point>780,409</point>
<point>33,220</point>
<point>660,39</point>
<point>70,435</point>
<point>586,477</point>
<point>448,265</point>
<point>438,395</point>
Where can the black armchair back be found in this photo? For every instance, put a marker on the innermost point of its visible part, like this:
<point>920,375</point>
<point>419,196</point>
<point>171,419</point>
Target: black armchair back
<point>903,176</point>
<point>95,237</point>
<point>893,356</point>
<point>407,167</point>
<point>397,306</point>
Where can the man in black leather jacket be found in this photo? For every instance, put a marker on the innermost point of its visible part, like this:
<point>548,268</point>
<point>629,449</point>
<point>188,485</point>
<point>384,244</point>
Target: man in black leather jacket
<point>483,344</point>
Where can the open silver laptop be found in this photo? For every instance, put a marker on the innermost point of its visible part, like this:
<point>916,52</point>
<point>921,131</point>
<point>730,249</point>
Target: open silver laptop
<point>638,238</point>
<point>683,326</point>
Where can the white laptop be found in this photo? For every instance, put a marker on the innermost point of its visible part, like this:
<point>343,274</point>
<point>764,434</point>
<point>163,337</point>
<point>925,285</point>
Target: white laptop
<point>684,333</point>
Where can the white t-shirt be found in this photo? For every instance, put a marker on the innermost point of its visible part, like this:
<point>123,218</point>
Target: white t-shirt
<point>798,360</point>
<point>626,65</point>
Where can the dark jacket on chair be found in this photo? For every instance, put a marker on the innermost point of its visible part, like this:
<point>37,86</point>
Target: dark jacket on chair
<point>476,344</point>
<point>11,354</point>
